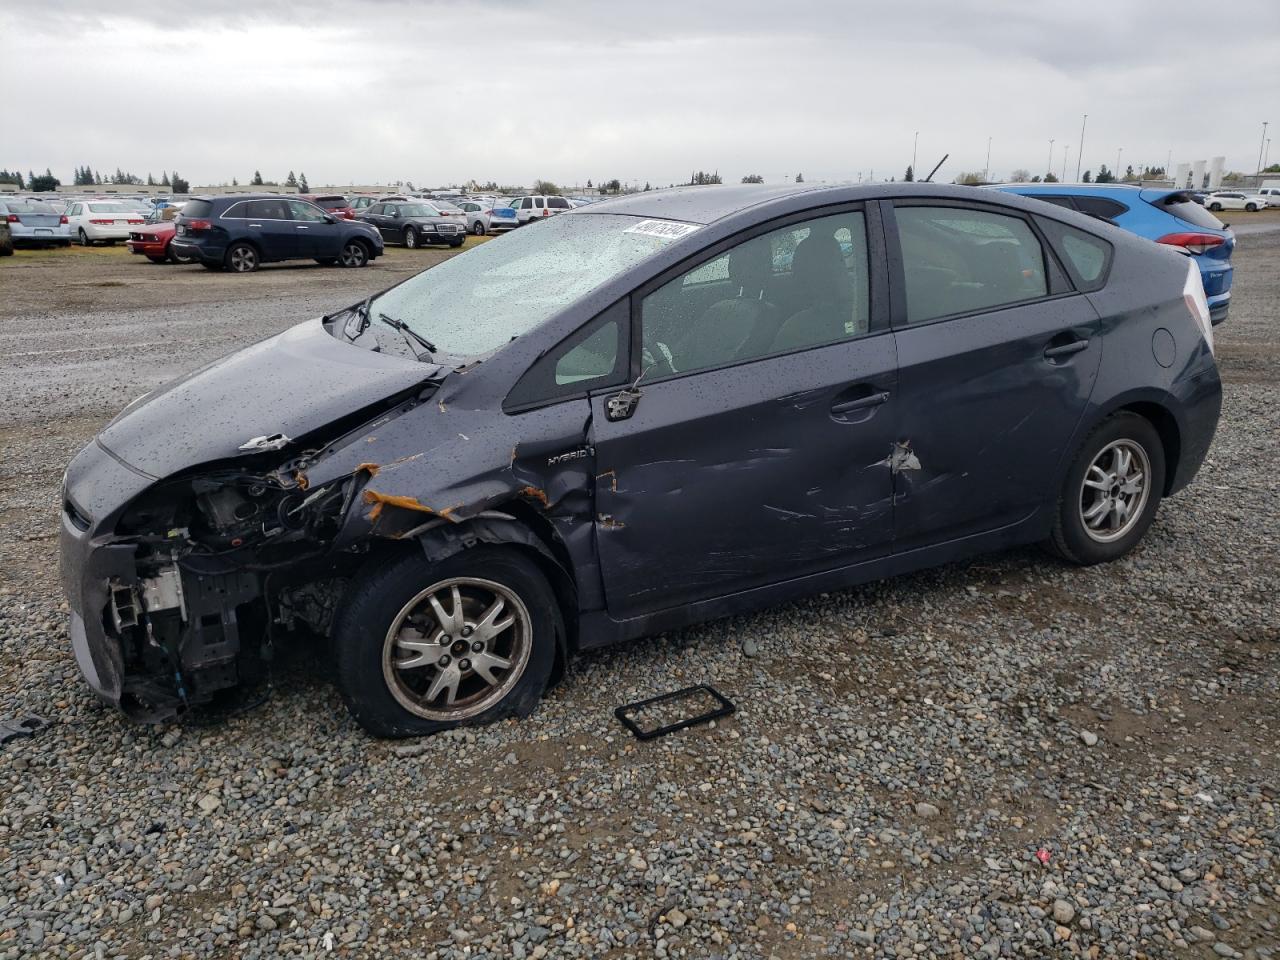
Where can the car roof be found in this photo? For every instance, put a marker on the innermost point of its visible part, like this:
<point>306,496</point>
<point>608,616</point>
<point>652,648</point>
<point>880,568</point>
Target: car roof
<point>707,204</point>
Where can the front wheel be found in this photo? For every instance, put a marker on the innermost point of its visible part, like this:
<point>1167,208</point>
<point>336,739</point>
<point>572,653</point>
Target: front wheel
<point>1215,207</point>
<point>478,229</point>
<point>1251,207</point>
<point>424,647</point>
<point>354,254</point>
<point>411,238</point>
<point>1111,493</point>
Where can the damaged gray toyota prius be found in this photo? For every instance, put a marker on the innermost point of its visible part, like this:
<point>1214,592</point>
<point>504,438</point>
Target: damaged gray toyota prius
<point>635,416</point>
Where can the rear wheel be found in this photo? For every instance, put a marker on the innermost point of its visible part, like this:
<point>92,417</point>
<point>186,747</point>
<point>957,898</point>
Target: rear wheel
<point>242,258</point>
<point>84,238</point>
<point>354,254</point>
<point>1215,207</point>
<point>411,238</point>
<point>1111,492</point>
<point>423,647</point>
<point>478,228</point>
<point>1251,207</point>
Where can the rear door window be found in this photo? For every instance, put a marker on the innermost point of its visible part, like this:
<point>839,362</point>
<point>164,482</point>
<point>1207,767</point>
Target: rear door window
<point>959,260</point>
<point>1087,258</point>
<point>1101,207</point>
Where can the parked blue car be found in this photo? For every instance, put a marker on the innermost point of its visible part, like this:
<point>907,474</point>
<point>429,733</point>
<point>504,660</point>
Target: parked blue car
<point>1171,217</point>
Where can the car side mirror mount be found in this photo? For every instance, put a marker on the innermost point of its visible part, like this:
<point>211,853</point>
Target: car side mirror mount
<point>330,218</point>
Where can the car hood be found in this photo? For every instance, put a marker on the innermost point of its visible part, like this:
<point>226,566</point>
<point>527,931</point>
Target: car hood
<point>294,384</point>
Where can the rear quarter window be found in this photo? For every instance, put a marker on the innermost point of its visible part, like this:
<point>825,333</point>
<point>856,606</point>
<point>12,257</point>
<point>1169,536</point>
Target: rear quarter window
<point>1101,207</point>
<point>1184,207</point>
<point>197,208</point>
<point>1086,257</point>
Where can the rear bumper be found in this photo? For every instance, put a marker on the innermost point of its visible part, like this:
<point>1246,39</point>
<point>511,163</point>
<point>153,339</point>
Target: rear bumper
<point>1218,309</point>
<point>205,253</point>
<point>24,234</point>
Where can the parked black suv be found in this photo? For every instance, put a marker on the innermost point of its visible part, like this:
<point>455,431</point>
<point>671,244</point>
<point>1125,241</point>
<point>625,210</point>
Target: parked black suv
<point>414,223</point>
<point>241,232</point>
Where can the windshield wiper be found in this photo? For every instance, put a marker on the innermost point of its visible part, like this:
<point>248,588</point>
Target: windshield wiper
<point>361,310</point>
<point>405,330</point>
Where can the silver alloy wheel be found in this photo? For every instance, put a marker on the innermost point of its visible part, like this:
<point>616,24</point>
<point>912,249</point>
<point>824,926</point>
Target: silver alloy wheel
<point>243,259</point>
<point>1115,491</point>
<point>353,255</point>
<point>410,238</point>
<point>457,648</point>
<point>478,228</point>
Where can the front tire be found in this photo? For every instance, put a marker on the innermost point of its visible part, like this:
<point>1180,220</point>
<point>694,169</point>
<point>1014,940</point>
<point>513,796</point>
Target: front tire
<point>354,254</point>
<point>425,647</point>
<point>1112,491</point>
<point>242,258</point>
<point>411,238</point>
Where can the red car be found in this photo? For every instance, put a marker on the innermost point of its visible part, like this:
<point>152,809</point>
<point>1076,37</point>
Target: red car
<point>152,242</point>
<point>332,203</point>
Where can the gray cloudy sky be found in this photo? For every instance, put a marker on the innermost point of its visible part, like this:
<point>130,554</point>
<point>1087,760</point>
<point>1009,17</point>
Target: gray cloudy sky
<point>436,91</point>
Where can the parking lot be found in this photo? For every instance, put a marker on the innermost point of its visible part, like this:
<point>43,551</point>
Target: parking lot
<point>1006,757</point>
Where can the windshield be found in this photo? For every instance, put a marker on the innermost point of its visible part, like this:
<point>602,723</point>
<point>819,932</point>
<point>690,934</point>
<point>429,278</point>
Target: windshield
<point>416,210</point>
<point>475,302</point>
<point>106,208</point>
<point>445,205</point>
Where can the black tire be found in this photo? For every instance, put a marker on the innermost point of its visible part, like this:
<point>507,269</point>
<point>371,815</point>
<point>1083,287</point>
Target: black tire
<point>355,253</point>
<point>373,605</point>
<point>6,250</point>
<point>1071,538</point>
<point>174,258</point>
<point>242,258</point>
<point>84,238</point>
<point>478,229</point>
<point>456,243</point>
<point>1251,207</point>
<point>326,261</point>
<point>1215,207</point>
<point>411,238</point>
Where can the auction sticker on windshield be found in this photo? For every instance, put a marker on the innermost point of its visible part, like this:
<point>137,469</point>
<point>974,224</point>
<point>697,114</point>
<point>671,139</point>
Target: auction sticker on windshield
<point>663,229</point>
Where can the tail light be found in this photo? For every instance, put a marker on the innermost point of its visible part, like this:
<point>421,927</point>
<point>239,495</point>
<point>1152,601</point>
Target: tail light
<point>199,225</point>
<point>1193,242</point>
<point>63,219</point>
<point>137,221</point>
<point>13,218</point>
<point>1193,296</point>
<point>103,223</point>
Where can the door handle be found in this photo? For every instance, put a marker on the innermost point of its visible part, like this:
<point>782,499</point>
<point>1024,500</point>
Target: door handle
<point>1065,349</point>
<point>861,403</point>
<point>255,224</point>
<point>302,228</point>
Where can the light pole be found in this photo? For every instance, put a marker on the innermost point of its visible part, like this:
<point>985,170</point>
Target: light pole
<point>1066,152</point>
<point>1080,152</point>
<point>914,144</point>
<point>1119,150</point>
<point>1262,145</point>
<point>986,171</point>
<point>1049,168</point>
<point>1266,154</point>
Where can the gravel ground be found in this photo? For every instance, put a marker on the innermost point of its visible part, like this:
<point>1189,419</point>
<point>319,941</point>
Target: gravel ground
<point>1003,758</point>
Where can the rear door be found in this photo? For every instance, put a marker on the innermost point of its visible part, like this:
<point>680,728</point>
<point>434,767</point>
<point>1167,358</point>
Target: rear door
<point>756,450</point>
<point>997,356</point>
<point>270,226</point>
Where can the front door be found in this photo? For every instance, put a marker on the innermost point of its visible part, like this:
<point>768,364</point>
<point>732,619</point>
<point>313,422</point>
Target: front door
<point>997,357</point>
<point>757,449</point>
<point>317,237</point>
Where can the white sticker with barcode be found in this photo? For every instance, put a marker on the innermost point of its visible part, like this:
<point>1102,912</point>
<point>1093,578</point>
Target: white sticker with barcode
<point>663,229</point>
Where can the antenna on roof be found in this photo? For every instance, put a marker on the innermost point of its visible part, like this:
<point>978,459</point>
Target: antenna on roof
<point>929,178</point>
